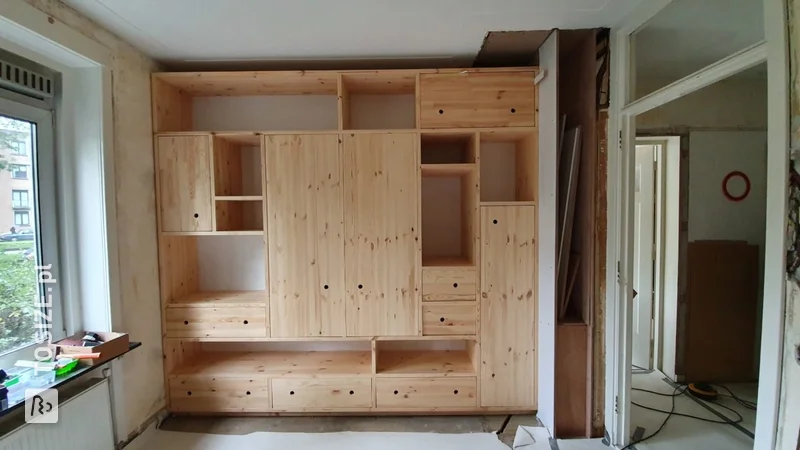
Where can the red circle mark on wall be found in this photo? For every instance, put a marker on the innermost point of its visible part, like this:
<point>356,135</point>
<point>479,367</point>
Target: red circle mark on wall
<point>728,195</point>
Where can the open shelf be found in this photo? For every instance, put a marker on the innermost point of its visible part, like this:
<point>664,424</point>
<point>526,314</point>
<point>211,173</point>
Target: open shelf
<point>449,212</point>
<point>239,215</point>
<point>446,363</point>
<point>238,167</point>
<point>312,364</point>
<point>508,161</point>
<point>221,298</point>
<point>448,148</point>
<point>378,101</point>
<point>447,261</point>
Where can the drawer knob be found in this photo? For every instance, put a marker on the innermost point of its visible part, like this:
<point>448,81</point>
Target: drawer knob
<point>245,322</point>
<point>291,392</point>
<point>186,322</point>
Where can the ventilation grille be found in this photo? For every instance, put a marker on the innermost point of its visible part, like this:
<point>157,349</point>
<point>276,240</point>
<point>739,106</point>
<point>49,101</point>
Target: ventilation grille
<point>24,81</point>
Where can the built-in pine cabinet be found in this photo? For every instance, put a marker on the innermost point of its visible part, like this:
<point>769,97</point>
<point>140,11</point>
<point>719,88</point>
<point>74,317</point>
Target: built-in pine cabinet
<point>356,241</point>
<point>306,235</point>
<point>381,233</point>
<point>184,175</point>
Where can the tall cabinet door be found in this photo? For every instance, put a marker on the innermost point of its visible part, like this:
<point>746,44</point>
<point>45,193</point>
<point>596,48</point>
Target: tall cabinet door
<point>184,177</point>
<point>381,209</point>
<point>306,235</point>
<point>508,306</point>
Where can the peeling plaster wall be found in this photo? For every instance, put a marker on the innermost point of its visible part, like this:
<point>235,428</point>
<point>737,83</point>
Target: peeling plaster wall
<point>789,420</point>
<point>143,379</point>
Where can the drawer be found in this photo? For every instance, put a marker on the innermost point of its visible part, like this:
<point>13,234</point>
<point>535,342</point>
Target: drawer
<point>196,393</point>
<point>321,393</point>
<point>216,322</point>
<point>449,318</point>
<point>457,100</point>
<point>443,284</point>
<point>426,392</point>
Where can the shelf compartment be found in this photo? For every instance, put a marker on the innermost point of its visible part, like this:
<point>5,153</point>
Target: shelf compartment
<point>445,363</point>
<point>220,299</point>
<point>239,215</point>
<point>378,100</point>
<point>449,148</point>
<point>508,162</point>
<point>426,392</point>
<point>449,213</point>
<point>286,364</point>
<point>238,169</point>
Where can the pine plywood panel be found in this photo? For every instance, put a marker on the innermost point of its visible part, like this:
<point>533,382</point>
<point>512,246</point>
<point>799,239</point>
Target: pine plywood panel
<point>381,199</point>
<point>429,363</point>
<point>178,270</point>
<point>331,393</point>
<point>172,107</point>
<point>227,322</point>
<point>191,393</point>
<point>282,364</point>
<point>449,319</point>
<point>306,236</point>
<point>425,392</point>
<point>446,284</point>
<point>508,306</point>
<point>457,100</point>
<point>184,171</point>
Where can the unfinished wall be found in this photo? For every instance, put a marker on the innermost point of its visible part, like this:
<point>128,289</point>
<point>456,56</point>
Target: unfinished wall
<point>136,224</point>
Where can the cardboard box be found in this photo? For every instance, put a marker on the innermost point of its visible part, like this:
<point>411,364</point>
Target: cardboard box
<point>114,344</point>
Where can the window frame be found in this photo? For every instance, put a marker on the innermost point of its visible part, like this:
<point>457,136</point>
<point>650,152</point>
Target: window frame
<point>14,171</point>
<point>45,191</point>
<point>21,205</point>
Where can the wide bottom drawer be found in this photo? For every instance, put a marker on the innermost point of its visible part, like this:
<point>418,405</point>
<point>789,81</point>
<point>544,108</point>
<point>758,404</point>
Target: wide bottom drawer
<point>321,393</point>
<point>426,392</point>
<point>194,393</point>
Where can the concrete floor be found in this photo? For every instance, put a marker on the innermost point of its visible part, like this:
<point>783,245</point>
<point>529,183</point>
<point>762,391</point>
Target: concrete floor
<point>327,424</point>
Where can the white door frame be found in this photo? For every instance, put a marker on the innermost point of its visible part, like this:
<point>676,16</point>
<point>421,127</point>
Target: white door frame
<point>619,300</point>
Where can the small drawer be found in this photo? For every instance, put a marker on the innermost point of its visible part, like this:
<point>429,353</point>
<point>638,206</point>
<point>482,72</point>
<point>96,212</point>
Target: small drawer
<point>426,392</point>
<point>478,99</point>
<point>447,284</point>
<point>449,318</point>
<point>216,322</point>
<point>321,393</point>
<point>200,393</point>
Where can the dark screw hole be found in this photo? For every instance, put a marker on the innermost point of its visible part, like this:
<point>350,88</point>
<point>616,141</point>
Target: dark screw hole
<point>189,393</point>
<point>513,110</point>
<point>441,319</point>
<point>455,392</point>
<point>455,284</point>
<point>186,322</point>
<point>351,392</point>
<point>441,111</point>
<point>494,221</point>
<point>291,392</point>
<point>248,392</point>
<point>360,286</point>
<point>395,392</point>
<point>325,287</point>
<point>246,322</point>
<point>196,215</point>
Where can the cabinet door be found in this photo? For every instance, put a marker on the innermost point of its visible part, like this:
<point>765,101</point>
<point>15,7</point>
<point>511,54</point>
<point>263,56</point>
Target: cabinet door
<point>184,175</point>
<point>306,235</point>
<point>508,306</point>
<point>381,209</point>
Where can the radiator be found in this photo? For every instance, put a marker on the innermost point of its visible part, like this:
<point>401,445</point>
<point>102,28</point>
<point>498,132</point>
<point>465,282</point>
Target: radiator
<point>84,423</point>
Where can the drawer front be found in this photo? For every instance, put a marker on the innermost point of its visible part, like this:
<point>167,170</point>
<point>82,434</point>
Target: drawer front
<point>449,319</point>
<point>446,284</point>
<point>217,322</point>
<point>194,393</point>
<point>426,392</point>
<point>321,393</point>
<point>453,100</point>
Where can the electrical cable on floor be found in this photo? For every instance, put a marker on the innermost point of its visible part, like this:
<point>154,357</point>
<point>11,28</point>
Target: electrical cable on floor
<point>746,403</point>
<point>681,390</point>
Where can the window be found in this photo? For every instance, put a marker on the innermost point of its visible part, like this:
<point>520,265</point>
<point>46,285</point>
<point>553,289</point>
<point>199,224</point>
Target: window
<point>19,199</point>
<point>22,218</point>
<point>30,295</point>
<point>19,171</point>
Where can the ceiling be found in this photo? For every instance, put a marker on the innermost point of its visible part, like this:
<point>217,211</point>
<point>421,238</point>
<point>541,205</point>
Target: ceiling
<point>199,31</point>
<point>688,35</point>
